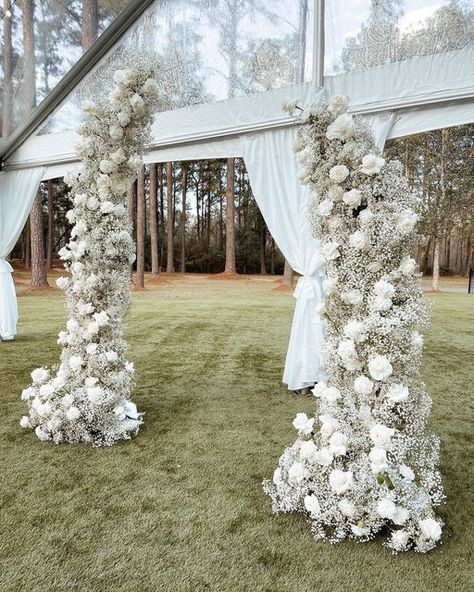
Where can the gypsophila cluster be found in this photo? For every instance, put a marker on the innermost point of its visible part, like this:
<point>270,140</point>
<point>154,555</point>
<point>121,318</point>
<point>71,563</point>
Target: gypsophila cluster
<point>364,462</point>
<point>87,398</point>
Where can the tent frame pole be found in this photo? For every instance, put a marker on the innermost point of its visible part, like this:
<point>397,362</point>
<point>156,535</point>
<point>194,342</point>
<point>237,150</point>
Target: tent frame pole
<point>319,42</point>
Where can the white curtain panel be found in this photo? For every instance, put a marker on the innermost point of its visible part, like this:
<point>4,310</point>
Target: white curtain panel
<point>273,174</point>
<point>17,191</point>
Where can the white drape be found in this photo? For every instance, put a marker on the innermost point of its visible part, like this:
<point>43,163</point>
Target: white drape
<point>17,191</point>
<point>273,174</point>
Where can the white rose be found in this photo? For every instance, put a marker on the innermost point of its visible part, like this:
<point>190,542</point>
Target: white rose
<point>290,106</point>
<point>407,266</point>
<point>360,531</point>
<point>151,87</point>
<point>352,198</point>
<point>118,157</point>
<point>123,118</point>
<point>137,104</point>
<point>382,303</point>
<point>105,166</point>
<point>129,367</point>
<point>93,328</point>
<point>347,507</point>
<point>94,394</point>
<point>297,473</point>
<point>312,505</point>
<point>401,516</point>
<point>323,457</point>
<point>358,240</point>
<point>338,444</point>
<point>378,460</point>
<point>75,362</point>
<point>39,375</point>
<point>342,128</point>
<point>91,381</point>
<point>371,164</point>
<point>308,450</point>
<point>329,285</point>
<point>406,472</point>
<point>25,422</point>
<point>303,423</point>
<point>363,385</point>
<point>328,426</point>
<point>27,393</point>
<point>355,330</point>
<point>91,349</point>
<point>325,207</point>
<point>73,413</point>
<point>353,297</point>
<point>330,251</point>
<point>304,155</point>
<point>340,481</point>
<point>62,282</point>
<point>116,132</point>
<point>102,318</point>
<point>67,400</point>
<point>366,216</point>
<point>337,104</point>
<point>397,393</point>
<point>46,390</point>
<point>338,173</point>
<point>334,223</point>
<point>111,356</point>
<point>335,193</point>
<point>406,221</point>
<point>374,267</point>
<point>346,350</point>
<point>430,528</point>
<point>92,203</point>
<point>386,508</point>
<point>384,289</point>
<point>41,434</point>
<point>380,368</point>
<point>399,539</point>
<point>417,339</point>
<point>381,436</point>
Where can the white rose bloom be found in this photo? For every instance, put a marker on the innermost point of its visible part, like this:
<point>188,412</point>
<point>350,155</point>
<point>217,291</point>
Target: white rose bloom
<point>308,450</point>
<point>91,349</point>
<point>355,330</point>
<point>118,157</point>
<point>397,393</point>
<point>27,393</point>
<point>304,156</point>
<point>407,266</point>
<point>430,528</point>
<point>328,426</point>
<point>363,385</point>
<point>340,481</point>
<point>406,221</point>
<point>366,216</point>
<point>330,251</point>
<point>371,164</point>
<point>67,400</point>
<point>401,516</point>
<point>417,339</point>
<point>342,128</point>
<point>312,505</point>
<point>346,350</point>
<point>347,507</point>
<point>75,362</point>
<point>384,289</point>
<point>92,203</point>
<point>116,132</point>
<point>338,444</point>
<point>337,104</point>
<point>352,198</point>
<point>123,118</point>
<point>41,434</point>
<point>386,508</point>
<point>91,381</point>
<point>290,106</point>
<point>382,303</point>
<point>378,460</point>
<point>303,423</point>
<point>335,193</point>
<point>324,457</point>
<point>39,375</point>
<point>102,318</point>
<point>334,222</point>
<point>406,472</point>
<point>338,173</point>
<point>297,473</point>
<point>25,422</point>
<point>360,531</point>
<point>353,297</point>
<point>358,240</point>
<point>129,367</point>
<point>107,207</point>
<point>94,394</point>
<point>374,267</point>
<point>105,166</point>
<point>93,328</point>
<point>380,367</point>
<point>329,285</point>
<point>73,413</point>
<point>111,356</point>
<point>46,390</point>
<point>381,436</point>
<point>135,162</point>
<point>399,539</point>
<point>325,207</point>
<point>151,87</point>
<point>62,282</point>
<point>137,104</point>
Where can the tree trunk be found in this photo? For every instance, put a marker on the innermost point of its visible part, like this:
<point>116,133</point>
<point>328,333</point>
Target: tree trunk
<point>288,274</point>
<point>131,206</point>
<point>272,257</point>
<point>263,243</point>
<point>161,240</point>
<point>27,245</point>
<point>230,266</point>
<point>183,217</point>
<point>29,74</point>
<point>38,268</point>
<point>7,69</point>
<point>169,219</point>
<point>155,266</point>
<point>89,23</point>
<point>50,250</point>
<point>141,229</point>
<point>435,280</point>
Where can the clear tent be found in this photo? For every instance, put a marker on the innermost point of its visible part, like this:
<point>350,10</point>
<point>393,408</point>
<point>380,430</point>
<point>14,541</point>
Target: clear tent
<point>229,65</point>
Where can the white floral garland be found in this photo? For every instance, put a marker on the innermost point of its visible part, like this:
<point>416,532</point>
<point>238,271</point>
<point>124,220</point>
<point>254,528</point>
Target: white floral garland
<point>364,462</point>
<point>88,399</point>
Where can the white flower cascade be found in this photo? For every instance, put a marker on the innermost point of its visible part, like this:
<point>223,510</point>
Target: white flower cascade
<point>88,398</point>
<point>364,463</point>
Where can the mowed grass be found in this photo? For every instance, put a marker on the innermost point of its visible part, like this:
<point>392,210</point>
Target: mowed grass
<point>180,508</point>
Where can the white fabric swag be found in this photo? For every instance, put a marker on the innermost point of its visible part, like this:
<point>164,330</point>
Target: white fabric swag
<point>17,191</point>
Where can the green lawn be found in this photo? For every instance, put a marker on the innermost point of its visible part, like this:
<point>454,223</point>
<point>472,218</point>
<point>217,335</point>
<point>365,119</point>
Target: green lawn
<point>180,508</point>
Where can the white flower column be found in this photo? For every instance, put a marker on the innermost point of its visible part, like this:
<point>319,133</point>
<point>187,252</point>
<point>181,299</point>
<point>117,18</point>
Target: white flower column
<point>87,398</point>
<point>364,463</point>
